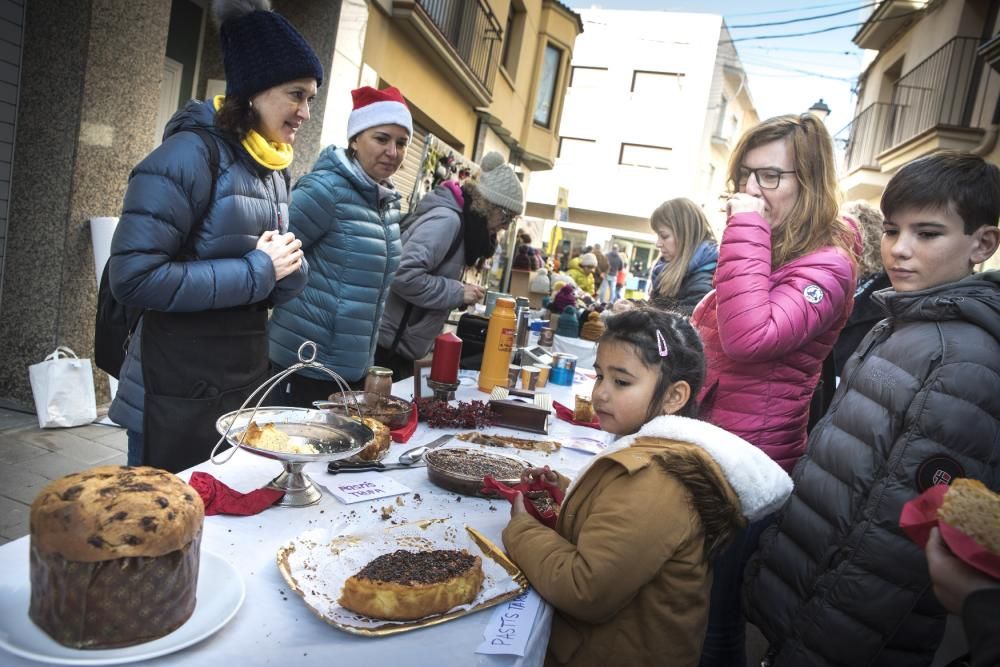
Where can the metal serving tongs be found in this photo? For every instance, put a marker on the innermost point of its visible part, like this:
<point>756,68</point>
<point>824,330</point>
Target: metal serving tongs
<point>308,347</point>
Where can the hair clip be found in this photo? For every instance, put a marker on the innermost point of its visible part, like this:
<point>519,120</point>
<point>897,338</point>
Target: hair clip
<point>661,344</point>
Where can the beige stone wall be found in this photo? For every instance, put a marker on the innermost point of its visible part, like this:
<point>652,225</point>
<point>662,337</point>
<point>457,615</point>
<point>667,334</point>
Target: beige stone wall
<point>317,21</point>
<point>85,118</point>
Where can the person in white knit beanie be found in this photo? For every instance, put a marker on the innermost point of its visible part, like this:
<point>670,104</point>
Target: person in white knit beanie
<point>452,227</point>
<point>499,184</point>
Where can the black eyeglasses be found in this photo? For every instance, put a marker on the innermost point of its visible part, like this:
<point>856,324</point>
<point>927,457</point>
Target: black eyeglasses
<point>767,177</point>
<point>507,216</point>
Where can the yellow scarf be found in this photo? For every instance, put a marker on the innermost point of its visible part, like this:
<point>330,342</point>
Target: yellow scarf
<point>274,156</point>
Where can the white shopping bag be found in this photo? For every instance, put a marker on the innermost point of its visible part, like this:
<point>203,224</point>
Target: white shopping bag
<point>63,387</point>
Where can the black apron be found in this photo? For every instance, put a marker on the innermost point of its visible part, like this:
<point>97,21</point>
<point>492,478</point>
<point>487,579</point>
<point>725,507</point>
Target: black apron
<point>197,367</point>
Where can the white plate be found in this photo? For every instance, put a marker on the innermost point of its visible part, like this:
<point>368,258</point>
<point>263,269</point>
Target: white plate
<point>220,594</point>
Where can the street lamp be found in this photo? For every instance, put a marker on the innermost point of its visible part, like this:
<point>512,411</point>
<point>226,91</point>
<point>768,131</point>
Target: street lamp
<point>820,109</point>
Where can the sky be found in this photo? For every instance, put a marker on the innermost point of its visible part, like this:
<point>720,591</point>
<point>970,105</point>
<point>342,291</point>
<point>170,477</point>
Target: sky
<point>786,75</point>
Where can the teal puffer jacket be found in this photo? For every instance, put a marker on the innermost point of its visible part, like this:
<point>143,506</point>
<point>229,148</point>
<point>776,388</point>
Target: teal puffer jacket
<point>351,241</point>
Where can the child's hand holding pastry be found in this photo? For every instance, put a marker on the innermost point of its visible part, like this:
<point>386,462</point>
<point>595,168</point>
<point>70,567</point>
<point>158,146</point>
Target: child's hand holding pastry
<point>517,506</point>
<point>545,474</point>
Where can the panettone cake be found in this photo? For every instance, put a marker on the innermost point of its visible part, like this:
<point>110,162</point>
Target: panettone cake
<point>114,556</point>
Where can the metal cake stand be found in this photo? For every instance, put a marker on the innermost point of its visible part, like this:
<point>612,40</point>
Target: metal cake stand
<point>333,436</point>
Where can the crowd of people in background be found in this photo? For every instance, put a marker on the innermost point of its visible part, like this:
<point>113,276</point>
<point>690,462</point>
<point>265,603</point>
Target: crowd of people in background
<point>776,394</point>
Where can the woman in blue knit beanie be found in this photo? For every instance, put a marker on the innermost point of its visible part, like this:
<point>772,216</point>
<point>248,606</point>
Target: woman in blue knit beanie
<point>203,249</point>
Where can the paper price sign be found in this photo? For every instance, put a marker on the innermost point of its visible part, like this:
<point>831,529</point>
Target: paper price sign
<point>358,487</point>
<point>510,626</point>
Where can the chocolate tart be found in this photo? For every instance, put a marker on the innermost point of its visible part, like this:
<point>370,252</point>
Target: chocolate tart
<point>461,470</point>
<point>407,585</point>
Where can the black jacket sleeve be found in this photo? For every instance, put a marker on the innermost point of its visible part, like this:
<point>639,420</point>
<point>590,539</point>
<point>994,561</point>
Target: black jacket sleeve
<point>982,626</point>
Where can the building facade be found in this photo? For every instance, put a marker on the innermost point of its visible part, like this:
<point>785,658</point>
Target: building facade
<point>86,87</point>
<point>933,83</point>
<point>478,75</point>
<point>656,103</point>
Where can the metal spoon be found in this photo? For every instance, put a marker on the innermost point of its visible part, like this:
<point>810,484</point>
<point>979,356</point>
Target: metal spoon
<point>411,456</point>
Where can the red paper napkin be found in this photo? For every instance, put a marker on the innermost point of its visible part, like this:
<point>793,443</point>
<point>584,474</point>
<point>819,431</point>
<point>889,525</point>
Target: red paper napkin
<point>220,499</point>
<point>405,432</point>
<point>535,484</point>
<point>566,414</point>
<point>920,515</point>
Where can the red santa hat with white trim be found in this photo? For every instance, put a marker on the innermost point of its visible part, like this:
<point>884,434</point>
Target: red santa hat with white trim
<point>378,107</point>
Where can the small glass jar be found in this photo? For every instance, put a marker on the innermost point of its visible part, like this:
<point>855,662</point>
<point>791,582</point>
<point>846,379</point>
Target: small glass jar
<point>379,380</point>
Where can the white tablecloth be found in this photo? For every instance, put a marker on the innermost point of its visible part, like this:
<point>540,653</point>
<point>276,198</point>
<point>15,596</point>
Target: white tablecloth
<point>274,626</point>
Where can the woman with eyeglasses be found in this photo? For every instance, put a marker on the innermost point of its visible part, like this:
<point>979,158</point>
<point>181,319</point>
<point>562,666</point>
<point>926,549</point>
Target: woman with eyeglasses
<point>784,288</point>
<point>346,212</point>
<point>454,226</point>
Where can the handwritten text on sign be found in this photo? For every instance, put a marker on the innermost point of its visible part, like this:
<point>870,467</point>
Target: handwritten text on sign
<point>366,486</point>
<point>510,626</point>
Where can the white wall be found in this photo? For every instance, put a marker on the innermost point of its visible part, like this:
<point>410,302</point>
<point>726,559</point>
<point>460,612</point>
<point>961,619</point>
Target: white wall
<point>346,73</point>
<point>607,111</point>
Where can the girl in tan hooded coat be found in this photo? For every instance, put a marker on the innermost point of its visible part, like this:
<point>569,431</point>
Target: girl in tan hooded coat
<point>627,566</point>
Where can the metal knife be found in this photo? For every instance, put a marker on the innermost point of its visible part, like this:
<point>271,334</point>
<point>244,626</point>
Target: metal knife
<point>335,467</point>
<point>415,454</point>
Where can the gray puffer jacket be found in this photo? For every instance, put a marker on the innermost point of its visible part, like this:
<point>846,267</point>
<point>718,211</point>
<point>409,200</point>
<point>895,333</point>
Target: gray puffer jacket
<point>424,278</point>
<point>835,581</point>
<point>168,192</point>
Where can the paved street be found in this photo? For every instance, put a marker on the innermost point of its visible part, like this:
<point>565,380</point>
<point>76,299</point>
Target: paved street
<point>30,457</point>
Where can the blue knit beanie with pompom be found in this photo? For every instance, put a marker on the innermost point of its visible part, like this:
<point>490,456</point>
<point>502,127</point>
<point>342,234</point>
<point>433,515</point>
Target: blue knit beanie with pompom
<point>260,48</point>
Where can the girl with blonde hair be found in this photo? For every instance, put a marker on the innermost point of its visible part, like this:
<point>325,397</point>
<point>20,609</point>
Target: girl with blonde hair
<point>784,288</point>
<point>688,256</point>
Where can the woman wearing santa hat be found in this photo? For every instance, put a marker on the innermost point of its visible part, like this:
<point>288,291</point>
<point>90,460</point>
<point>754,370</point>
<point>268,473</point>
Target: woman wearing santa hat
<point>202,246</point>
<point>346,213</point>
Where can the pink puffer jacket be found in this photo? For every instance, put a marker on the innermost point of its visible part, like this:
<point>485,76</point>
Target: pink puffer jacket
<point>766,336</point>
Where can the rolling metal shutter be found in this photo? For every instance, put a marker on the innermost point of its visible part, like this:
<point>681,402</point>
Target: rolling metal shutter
<point>406,178</point>
<point>11,39</point>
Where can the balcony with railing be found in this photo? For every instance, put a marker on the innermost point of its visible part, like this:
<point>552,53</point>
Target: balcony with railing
<point>869,135</point>
<point>933,103</point>
<point>463,35</point>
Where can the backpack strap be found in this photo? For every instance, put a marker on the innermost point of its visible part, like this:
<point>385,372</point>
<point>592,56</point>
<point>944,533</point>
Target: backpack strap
<point>408,311</point>
<point>212,144</point>
<point>133,315</point>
